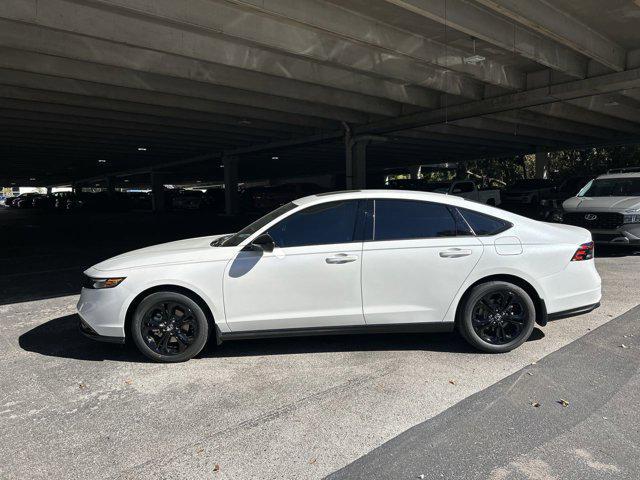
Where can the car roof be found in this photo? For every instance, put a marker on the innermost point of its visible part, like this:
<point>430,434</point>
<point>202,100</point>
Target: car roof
<point>620,175</point>
<point>387,193</point>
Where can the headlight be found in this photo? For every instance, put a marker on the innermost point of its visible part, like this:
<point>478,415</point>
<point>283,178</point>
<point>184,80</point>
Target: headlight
<point>632,216</point>
<point>96,283</point>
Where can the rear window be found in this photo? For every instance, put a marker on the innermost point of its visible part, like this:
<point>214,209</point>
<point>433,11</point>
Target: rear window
<point>483,224</point>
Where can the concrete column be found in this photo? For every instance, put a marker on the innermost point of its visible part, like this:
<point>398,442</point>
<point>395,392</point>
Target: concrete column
<point>541,164</point>
<point>415,172</point>
<point>356,167</point>
<point>231,197</point>
<point>49,190</point>
<point>110,182</point>
<point>157,192</point>
<point>461,170</point>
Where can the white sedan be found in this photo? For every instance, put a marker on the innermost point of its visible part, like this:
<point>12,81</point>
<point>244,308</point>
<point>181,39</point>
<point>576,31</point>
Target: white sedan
<point>347,262</point>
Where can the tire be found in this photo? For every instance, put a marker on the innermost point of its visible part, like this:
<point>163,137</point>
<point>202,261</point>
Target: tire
<point>169,327</point>
<point>491,323</point>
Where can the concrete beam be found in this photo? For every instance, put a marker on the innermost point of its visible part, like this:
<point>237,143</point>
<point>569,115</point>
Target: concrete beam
<point>549,20</point>
<point>113,76</point>
<point>158,35</point>
<point>26,99</point>
<point>574,113</point>
<point>393,41</point>
<point>98,52</point>
<point>316,44</point>
<point>52,85</point>
<point>612,105</point>
<point>471,19</point>
<point>540,96</point>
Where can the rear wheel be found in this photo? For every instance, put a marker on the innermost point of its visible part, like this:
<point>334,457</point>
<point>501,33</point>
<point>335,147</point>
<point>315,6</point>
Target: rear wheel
<point>497,317</point>
<point>169,327</point>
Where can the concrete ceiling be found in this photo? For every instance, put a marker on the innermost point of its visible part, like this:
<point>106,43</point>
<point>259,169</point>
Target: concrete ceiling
<point>83,81</point>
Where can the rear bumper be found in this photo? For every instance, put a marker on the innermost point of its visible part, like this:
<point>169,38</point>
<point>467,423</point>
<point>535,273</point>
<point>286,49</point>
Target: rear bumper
<point>572,312</point>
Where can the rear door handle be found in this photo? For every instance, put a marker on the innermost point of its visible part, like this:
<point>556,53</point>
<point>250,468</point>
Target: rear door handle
<point>455,253</point>
<point>341,258</point>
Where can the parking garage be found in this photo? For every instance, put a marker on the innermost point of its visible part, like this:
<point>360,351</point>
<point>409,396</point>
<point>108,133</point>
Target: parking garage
<point>101,99</point>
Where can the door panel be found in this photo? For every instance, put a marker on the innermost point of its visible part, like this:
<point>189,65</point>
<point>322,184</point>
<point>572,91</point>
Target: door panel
<point>295,287</point>
<point>310,280</point>
<point>420,255</point>
<point>410,281</point>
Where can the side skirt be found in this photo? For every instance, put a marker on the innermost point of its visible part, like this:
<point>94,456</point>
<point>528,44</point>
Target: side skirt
<point>346,330</point>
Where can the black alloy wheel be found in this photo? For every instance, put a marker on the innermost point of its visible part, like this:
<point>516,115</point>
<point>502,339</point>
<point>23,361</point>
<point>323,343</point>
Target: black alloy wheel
<point>169,327</point>
<point>497,316</point>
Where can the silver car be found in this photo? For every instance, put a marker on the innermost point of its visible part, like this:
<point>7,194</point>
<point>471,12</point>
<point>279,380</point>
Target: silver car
<point>608,206</point>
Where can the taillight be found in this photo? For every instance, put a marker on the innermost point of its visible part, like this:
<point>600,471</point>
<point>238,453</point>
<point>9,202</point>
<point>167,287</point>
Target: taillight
<point>584,252</point>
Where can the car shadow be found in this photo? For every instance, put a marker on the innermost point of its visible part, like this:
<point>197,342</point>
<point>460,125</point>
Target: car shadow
<point>60,338</point>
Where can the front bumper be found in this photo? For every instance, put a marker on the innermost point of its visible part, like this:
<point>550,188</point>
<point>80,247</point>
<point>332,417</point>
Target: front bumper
<point>87,331</point>
<point>103,310</point>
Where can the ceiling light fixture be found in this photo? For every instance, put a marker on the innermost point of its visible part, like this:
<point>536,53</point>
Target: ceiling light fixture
<point>275,158</point>
<point>142,149</point>
<point>245,122</point>
<point>102,160</point>
<point>475,58</point>
<point>32,179</point>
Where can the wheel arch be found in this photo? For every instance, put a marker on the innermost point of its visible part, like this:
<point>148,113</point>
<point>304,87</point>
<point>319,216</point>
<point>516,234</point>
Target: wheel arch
<point>169,288</point>
<point>538,301</point>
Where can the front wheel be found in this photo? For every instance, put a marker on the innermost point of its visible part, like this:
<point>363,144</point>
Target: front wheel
<point>169,327</point>
<point>497,317</point>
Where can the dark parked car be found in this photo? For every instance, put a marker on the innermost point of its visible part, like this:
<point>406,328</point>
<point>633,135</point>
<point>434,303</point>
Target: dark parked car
<point>527,192</point>
<point>25,200</point>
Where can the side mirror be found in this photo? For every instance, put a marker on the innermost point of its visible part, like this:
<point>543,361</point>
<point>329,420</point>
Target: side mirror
<point>263,242</point>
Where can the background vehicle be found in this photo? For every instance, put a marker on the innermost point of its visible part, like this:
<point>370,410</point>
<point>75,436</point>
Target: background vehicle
<point>189,200</point>
<point>25,200</point>
<point>609,207</point>
<point>551,203</point>
<point>460,188</point>
<point>528,191</point>
<point>268,198</point>
<point>321,265</point>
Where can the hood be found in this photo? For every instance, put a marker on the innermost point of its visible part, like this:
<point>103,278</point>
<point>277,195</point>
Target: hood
<point>601,203</point>
<point>182,251</point>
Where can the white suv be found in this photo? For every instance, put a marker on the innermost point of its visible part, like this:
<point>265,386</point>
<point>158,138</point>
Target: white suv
<point>608,206</point>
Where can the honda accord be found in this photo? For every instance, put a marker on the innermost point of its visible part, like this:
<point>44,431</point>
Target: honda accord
<point>347,262</point>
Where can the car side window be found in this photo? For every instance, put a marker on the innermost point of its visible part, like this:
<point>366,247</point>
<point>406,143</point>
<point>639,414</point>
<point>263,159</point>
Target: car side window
<point>411,219</point>
<point>323,224</point>
<point>483,224</point>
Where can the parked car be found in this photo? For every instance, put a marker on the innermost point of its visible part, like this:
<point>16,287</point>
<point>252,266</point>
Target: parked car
<point>321,265</point>
<point>189,200</point>
<point>528,191</point>
<point>460,188</point>
<point>25,200</point>
<point>60,201</point>
<point>44,201</point>
<point>608,206</point>
<point>268,198</point>
<point>551,204</point>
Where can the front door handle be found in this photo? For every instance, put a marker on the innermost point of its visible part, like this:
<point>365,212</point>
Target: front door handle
<point>341,258</point>
<point>455,253</point>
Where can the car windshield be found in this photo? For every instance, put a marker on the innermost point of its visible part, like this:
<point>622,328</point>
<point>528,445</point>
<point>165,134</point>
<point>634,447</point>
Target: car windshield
<point>612,187</point>
<point>237,238</point>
